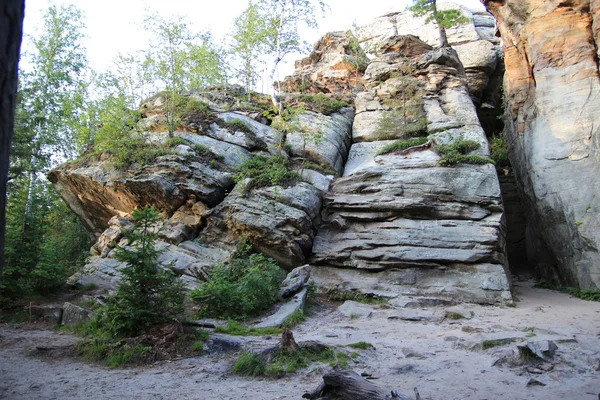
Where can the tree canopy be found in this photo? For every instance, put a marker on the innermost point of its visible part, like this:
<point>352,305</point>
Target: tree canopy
<point>444,18</point>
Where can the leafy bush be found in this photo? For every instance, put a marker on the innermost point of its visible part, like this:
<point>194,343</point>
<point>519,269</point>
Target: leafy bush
<point>146,295</point>
<point>266,171</point>
<point>402,145</point>
<point>174,141</point>
<point>456,153</point>
<point>245,287</point>
<point>498,151</point>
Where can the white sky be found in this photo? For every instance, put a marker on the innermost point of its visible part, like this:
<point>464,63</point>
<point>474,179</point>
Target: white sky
<point>113,26</point>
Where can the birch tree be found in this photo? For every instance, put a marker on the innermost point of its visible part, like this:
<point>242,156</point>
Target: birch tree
<point>444,18</point>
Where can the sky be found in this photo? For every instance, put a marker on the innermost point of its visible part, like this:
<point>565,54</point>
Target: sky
<point>114,26</point>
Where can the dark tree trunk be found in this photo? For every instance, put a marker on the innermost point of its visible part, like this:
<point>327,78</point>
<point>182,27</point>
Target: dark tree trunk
<point>443,37</point>
<point>11,32</point>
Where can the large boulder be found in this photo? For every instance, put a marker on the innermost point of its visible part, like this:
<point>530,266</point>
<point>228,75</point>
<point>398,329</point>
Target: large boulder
<point>552,91</point>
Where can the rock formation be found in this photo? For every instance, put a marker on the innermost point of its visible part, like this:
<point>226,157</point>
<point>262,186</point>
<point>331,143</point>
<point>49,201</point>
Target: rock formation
<point>399,224</point>
<point>385,224</point>
<point>552,90</point>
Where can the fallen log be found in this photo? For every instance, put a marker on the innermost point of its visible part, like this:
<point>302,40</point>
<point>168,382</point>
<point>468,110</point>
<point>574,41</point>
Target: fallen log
<point>348,385</point>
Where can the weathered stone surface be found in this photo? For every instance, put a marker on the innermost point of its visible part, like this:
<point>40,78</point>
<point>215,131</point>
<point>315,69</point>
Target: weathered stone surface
<point>552,89</point>
<point>330,68</point>
<point>261,137</point>
<point>73,314</point>
<point>285,310</point>
<point>324,140</point>
<point>294,281</point>
<point>352,309</point>
<point>398,224</point>
<point>277,221</point>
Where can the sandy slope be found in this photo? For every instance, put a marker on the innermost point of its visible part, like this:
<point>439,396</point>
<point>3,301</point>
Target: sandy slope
<point>433,356</point>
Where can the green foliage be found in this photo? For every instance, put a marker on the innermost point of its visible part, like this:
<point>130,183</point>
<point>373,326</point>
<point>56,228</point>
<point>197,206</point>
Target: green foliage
<point>179,60</point>
<point>498,151</point>
<point>455,316</point>
<point>320,168</point>
<point>339,295</point>
<point>319,102</point>
<point>237,329</point>
<point>361,345</point>
<point>146,295</point>
<point>456,153</point>
<point>584,294</point>
<point>245,287</point>
<point>402,145</point>
<point>174,141</point>
<point>45,241</point>
<point>444,18</point>
<point>207,152</point>
<point>235,125</point>
<point>284,120</point>
<point>266,171</point>
<point>283,362</point>
<point>294,319</point>
<point>488,344</point>
<point>356,56</point>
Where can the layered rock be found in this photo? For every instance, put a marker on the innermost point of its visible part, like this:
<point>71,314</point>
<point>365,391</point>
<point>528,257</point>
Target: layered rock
<point>204,214</point>
<point>335,66</point>
<point>398,224</point>
<point>474,41</point>
<point>552,91</point>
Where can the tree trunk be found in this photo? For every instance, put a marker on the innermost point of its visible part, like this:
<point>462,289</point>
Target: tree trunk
<point>443,37</point>
<point>11,32</point>
<point>348,385</point>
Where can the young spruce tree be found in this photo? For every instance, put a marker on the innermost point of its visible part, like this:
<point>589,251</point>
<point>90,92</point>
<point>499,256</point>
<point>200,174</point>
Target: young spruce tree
<point>147,295</point>
<point>444,18</point>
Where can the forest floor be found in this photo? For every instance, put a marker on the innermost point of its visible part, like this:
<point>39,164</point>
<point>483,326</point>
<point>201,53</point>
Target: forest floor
<point>440,356</point>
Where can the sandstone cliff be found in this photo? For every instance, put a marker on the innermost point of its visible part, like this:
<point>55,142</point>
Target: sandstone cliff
<point>394,224</point>
<point>552,91</point>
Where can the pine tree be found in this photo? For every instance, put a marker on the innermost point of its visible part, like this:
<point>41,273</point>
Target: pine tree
<point>147,295</point>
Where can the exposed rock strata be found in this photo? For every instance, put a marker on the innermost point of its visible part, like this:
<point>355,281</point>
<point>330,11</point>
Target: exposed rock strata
<point>552,90</point>
<point>398,224</point>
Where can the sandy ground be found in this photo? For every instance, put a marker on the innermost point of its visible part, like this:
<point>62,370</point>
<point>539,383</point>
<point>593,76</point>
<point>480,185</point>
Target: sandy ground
<point>435,356</point>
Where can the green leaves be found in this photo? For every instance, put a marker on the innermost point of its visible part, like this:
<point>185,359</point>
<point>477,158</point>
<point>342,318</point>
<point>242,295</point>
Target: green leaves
<point>444,18</point>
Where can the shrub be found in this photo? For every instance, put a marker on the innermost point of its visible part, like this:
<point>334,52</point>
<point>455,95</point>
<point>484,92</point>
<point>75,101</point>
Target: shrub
<point>266,171</point>
<point>146,295</point>
<point>235,125</point>
<point>206,152</point>
<point>245,287</point>
<point>456,153</point>
<point>174,141</point>
<point>498,151</point>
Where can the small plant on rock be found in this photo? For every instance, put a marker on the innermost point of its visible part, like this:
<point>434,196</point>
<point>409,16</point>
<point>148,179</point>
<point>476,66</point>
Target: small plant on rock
<point>266,171</point>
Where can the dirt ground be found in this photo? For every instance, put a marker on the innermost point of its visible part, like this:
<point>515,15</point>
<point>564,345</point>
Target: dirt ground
<point>438,356</point>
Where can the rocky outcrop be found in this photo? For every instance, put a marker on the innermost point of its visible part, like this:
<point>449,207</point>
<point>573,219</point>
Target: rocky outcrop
<point>204,213</point>
<point>335,66</point>
<point>552,91</point>
<point>475,43</point>
<point>399,224</point>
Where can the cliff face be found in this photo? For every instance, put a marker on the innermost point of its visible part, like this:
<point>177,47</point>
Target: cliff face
<point>552,91</point>
<point>392,224</point>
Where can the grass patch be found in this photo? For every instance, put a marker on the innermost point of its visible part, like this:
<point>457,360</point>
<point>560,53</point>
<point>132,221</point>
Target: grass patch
<point>339,295</point>
<point>174,141</point>
<point>361,345</point>
<point>320,103</point>
<point>455,316</point>
<point>207,152</point>
<point>235,328</point>
<point>294,319</point>
<point>402,145</point>
<point>456,153</point>
<point>235,125</point>
<point>583,294</point>
<point>282,363</point>
<point>488,344</point>
<point>266,171</point>
<point>319,168</point>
